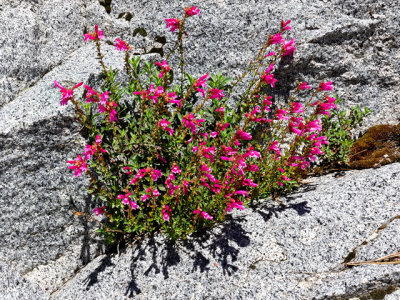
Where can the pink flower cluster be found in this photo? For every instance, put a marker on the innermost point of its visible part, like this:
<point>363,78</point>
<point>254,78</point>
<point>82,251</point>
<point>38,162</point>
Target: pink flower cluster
<point>203,214</point>
<point>122,45</point>
<point>165,68</point>
<point>79,165</point>
<point>158,94</point>
<point>287,47</point>
<point>105,106</point>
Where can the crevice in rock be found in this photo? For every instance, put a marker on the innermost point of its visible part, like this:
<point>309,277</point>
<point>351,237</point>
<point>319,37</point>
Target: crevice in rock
<point>106,4</point>
<point>370,238</point>
<point>126,15</point>
<point>372,290</point>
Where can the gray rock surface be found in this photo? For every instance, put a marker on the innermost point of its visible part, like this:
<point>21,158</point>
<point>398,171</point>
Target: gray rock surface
<point>15,287</point>
<point>267,253</point>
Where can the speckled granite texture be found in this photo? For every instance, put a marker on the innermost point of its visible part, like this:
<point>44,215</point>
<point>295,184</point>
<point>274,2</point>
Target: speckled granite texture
<point>291,252</point>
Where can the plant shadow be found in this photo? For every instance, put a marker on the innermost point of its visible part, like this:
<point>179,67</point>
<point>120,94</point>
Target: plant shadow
<point>203,251</point>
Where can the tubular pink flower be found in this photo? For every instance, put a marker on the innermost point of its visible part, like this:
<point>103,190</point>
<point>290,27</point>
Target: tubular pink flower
<point>67,94</point>
<point>124,198</point>
<point>240,134</point>
<point>99,210</point>
<point>275,39</point>
<point>281,114</point>
<point>274,147</point>
<point>79,165</point>
<point>94,36</point>
<point>192,11</point>
<point>91,95</point>
<point>201,83</point>
<point>270,54</point>
<point>243,193</point>
<point>122,45</point>
<point>173,24</point>
<point>133,205</point>
<point>296,107</point>
<point>164,125</point>
<point>166,212</point>
<point>325,86</point>
<point>176,170</point>
<point>215,94</point>
<point>269,79</point>
<point>165,68</point>
<point>108,108</point>
<point>249,182</point>
<point>288,48</point>
<point>303,86</point>
<point>313,126</point>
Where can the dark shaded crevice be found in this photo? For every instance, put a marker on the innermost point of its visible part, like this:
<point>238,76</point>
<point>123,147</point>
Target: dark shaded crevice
<point>140,31</point>
<point>126,15</point>
<point>106,4</point>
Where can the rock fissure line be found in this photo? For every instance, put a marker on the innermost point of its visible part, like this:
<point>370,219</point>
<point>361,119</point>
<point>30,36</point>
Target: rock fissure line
<point>370,238</point>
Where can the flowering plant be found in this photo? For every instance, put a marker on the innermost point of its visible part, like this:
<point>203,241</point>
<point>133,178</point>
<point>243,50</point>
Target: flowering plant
<point>159,160</point>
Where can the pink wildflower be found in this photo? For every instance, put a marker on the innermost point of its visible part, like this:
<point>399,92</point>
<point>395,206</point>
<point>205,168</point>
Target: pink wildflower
<point>190,122</point>
<point>303,86</point>
<point>203,214</point>
<point>313,126</point>
<point>221,110</point>
<point>175,169</point>
<point>108,107</point>
<point>296,107</point>
<point>91,150</point>
<point>67,94</point>
<point>95,36</point>
<point>166,212</point>
<point>274,147</point>
<point>243,193</point>
<point>201,83</point>
<point>91,94</point>
<point>155,174</point>
<point>269,79</point>
<point>173,24</point>
<point>99,210</point>
<point>124,198</point>
<point>192,11</point>
<point>240,134</point>
<point>270,54</point>
<point>288,48</point>
<point>79,165</point>
<point>122,45</point>
<point>275,39</point>
<point>164,125</point>
<point>133,205</point>
<point>165,68</point>
<point>281,114</point>
<point>215,94</point>
<point>222,127</point>
<point>127,170</point>
<point>325,86</point>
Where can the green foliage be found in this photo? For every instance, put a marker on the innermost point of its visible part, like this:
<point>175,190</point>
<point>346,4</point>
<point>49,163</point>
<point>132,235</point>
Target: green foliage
<point>338,129</point>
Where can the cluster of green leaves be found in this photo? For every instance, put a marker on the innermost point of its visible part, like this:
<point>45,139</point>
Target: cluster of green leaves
<point>338,129</point>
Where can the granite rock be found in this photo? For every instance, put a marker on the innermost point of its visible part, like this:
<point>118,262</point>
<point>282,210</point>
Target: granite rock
<point>354,44</point>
